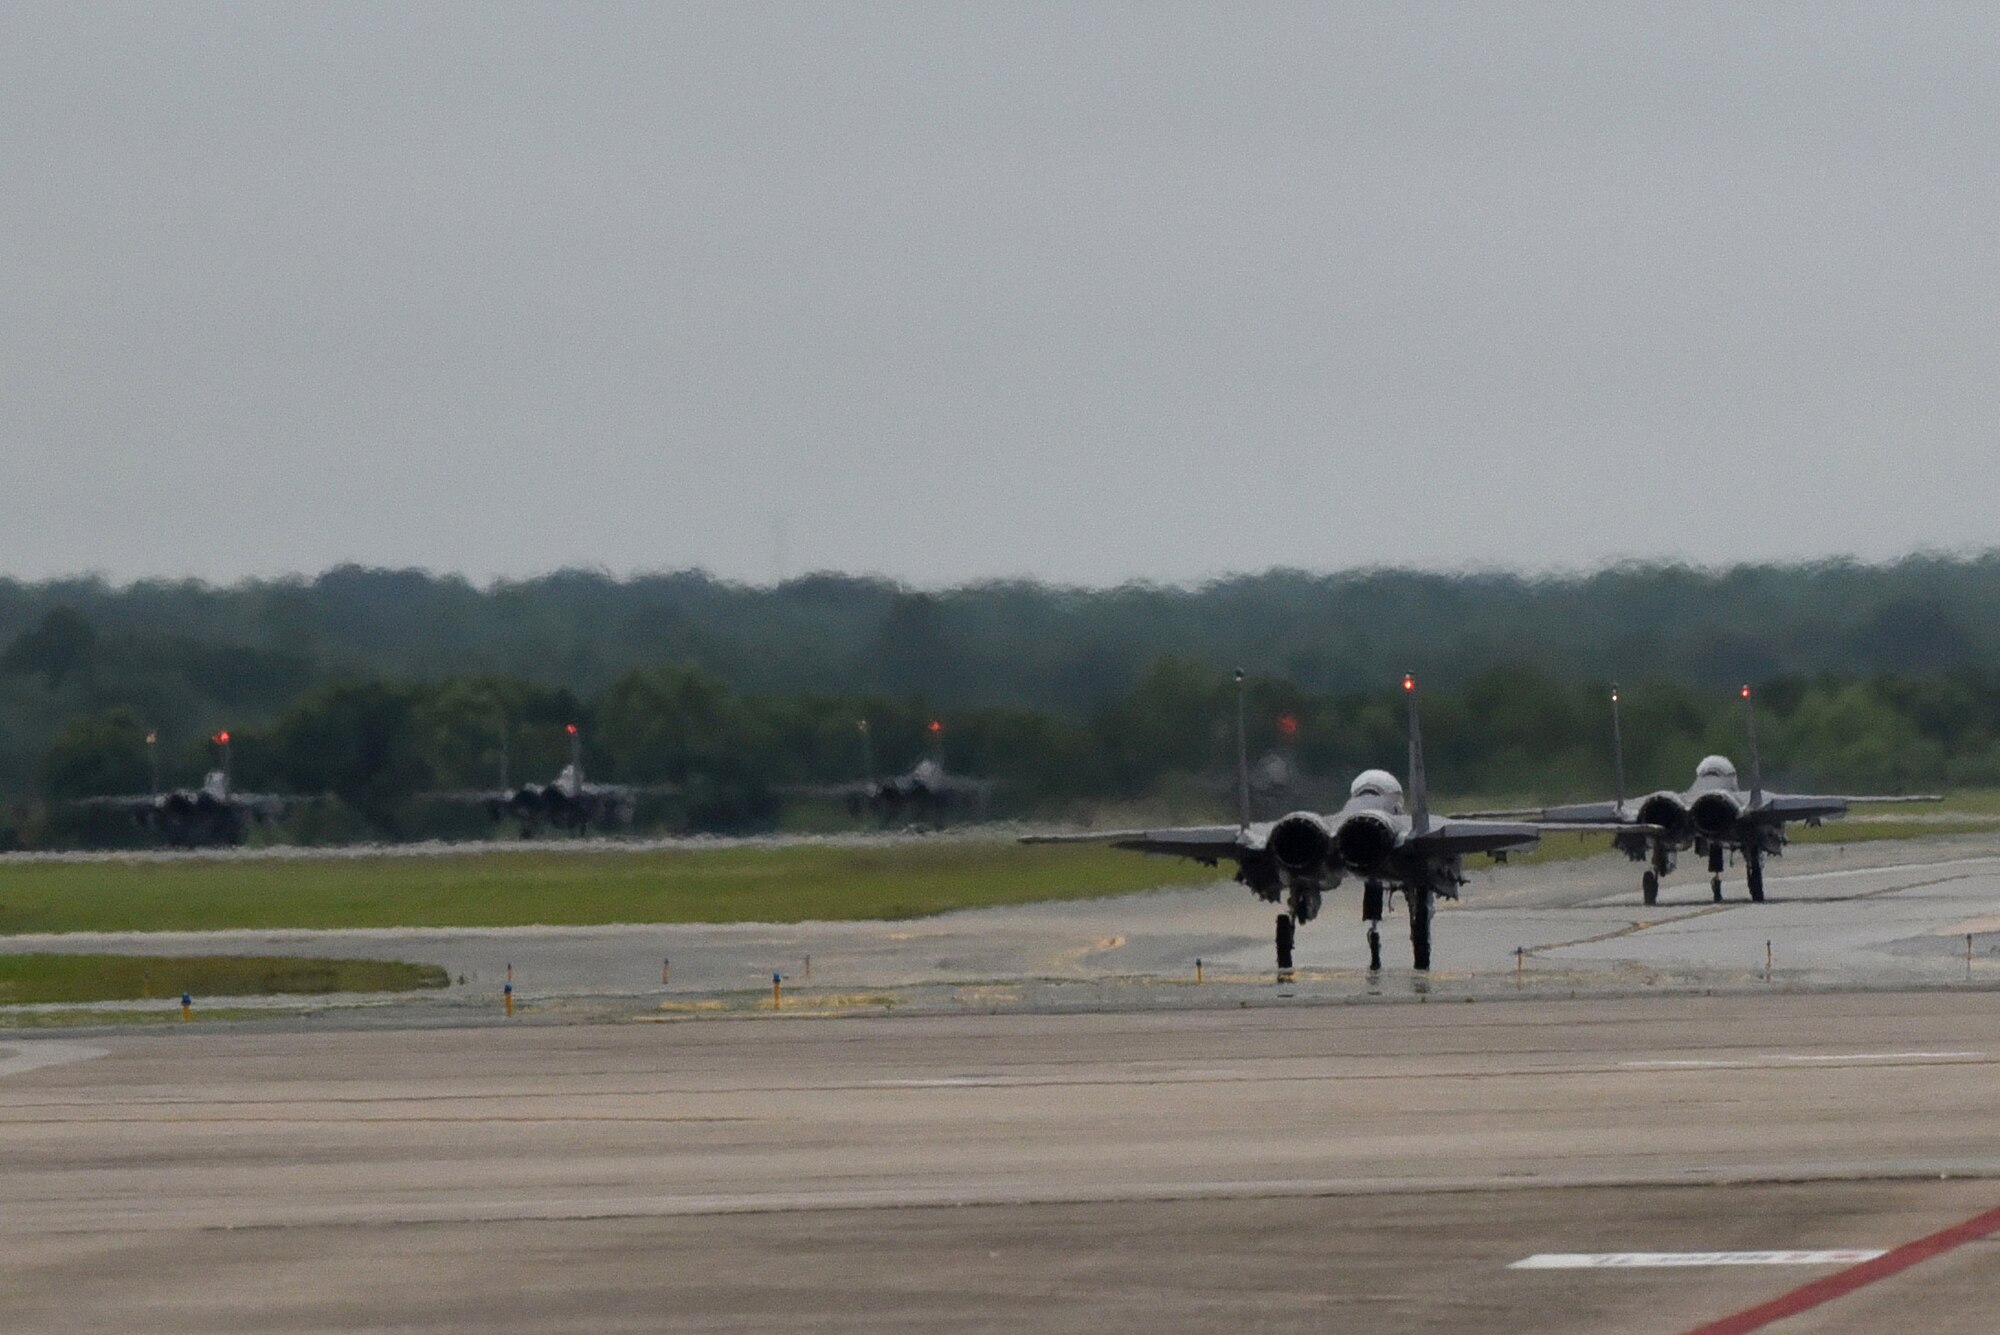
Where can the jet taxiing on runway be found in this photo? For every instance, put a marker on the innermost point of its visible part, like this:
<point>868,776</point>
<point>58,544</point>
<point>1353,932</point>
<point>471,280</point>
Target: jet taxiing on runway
<point>926,791</point>
<point>568,802</point>
<point>1715,816</point>
<point>1387,839</point>
<point>214,813</point>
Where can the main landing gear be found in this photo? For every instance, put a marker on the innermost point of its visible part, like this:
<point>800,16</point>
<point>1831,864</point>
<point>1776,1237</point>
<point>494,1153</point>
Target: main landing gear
<point>1420,902</point>
<point>1374,899</point>
<point>1649,884</point>
<point>1717,856</point>
<point>1753,866</point>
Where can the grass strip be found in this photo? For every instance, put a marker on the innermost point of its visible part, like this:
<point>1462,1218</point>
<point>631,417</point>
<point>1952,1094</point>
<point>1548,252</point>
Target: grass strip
<point>512,889</point>
<point>49,978</point>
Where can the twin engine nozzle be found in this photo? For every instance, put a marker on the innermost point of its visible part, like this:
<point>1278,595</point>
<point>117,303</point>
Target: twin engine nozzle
<point>1305,843</point>
<point>1715,814</point>
<point>1665,811</point>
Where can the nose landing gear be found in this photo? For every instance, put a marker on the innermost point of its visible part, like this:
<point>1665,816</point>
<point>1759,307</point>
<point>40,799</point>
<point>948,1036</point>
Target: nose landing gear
<point>1717,856</point>
<point>1371,914</point>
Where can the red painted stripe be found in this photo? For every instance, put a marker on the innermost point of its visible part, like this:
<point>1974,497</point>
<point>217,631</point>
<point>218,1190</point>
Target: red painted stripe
<point>1839,1285</point>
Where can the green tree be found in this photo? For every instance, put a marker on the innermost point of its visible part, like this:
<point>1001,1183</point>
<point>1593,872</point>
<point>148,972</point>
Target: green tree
<point>98,755</point>
<point>60,646</point>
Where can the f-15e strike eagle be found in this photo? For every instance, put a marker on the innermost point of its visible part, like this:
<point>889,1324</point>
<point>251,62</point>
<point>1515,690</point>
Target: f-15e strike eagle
<point>567,802</point>
<point>1388,839</point>
<point>214,813</point>
<point>1715,816</point>
<point>926,792</point>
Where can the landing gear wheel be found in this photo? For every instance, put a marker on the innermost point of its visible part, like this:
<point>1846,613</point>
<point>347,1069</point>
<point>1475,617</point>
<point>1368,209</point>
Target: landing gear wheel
<point>1755,875</point>
<point>1649,886</point>
<point>1374,949</point>
<point>1717,860</point>
<point>1285,929</point>
<point>1420,931</point>
<point>1715,888</point>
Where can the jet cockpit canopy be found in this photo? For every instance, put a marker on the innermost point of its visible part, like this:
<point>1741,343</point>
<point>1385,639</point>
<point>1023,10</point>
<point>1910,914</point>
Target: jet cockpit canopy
<point>1380,785</point>
<point>1716,767</point>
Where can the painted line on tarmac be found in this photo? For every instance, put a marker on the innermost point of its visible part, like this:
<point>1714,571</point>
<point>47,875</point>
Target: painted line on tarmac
<point>1834,873</point>
<point>1820,1291</point>
<point>1798,1059</point>
<point>946,1082</point>
<point>1661,1260</point>
<point>34,1055</point>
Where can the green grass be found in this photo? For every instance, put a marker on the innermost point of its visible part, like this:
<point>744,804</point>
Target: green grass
<point>41,978</point>
<point>562,889</point>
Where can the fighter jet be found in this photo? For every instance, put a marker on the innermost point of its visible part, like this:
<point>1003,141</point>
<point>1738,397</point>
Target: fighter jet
<point>567,802</point>
<point>1278,781</point>
<point>925,792</point>
<point>1714,816</point>
<point>214,813</point>
<point>1383,836</point>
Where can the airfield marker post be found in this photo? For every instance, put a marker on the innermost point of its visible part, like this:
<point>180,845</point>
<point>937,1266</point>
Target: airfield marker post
<point>187,1006</point>
<point>1767,961</point>
<point>663,971</point>
<point>777,990</point>
<point>1520,963</point>
<point>510,972</point>
<point>1197,971</point>
<point>1968,954</point>
<point>507,999</point>
<point>809,966</point>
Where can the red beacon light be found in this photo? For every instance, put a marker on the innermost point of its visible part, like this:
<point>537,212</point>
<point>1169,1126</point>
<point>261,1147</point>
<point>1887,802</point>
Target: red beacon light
<point>1746,692</point>
<point>571,727</point>
<point>1288,724</point>
<point>936,726</point>
<point>1409,681</point>
<point>222,738</point>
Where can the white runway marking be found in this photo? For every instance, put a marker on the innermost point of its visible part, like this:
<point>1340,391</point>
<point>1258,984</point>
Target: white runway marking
<point>1797,1059</point>
<point>938,1082</point>
<point>1655,1260</point>
<point>45,1052</point>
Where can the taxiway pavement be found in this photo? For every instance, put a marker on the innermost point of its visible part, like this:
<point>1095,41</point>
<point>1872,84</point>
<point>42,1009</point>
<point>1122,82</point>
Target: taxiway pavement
<point>1270,1167</point>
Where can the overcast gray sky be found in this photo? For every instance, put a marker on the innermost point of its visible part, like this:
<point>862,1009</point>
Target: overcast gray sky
<point>941,291</point>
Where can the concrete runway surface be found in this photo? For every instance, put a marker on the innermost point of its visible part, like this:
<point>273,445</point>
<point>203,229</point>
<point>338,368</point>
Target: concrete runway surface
<point>1267,1168</point>
<point>1050,1128</point>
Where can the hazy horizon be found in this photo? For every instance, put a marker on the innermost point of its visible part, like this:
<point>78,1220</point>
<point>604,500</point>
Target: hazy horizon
<point>1533,575</point>
<point>1082,293</point>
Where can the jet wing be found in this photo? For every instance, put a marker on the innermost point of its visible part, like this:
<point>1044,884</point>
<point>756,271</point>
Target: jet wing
<point>1580,813</point>
<point>135,802</point>
<point>1452,836</point>
<point>270,806</point>
<point>1795,806</point>
<point>1455,835</point>
<point>1207,844</point>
